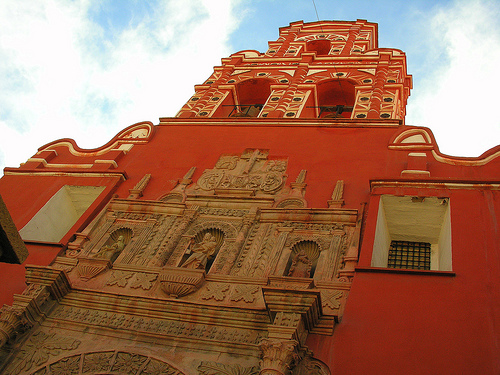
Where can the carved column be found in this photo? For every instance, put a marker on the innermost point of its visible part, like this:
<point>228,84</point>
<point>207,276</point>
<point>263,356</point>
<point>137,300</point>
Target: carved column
<point>161,257</point>
<point>278,356</point>
<point>11,319</point>
<point>295,313</point>
<point>378,88</point>
<point>248,220</point>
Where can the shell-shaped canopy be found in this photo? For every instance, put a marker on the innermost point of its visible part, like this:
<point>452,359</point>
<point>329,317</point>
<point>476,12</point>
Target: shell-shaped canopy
<point>311,248</point>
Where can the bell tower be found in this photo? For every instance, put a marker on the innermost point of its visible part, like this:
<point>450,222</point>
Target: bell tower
<point>331,70</point>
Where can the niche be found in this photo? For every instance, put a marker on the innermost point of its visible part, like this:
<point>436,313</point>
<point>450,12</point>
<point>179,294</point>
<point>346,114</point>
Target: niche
<point>203,249</point>
<point>303,259</point>
<point>115,244</point>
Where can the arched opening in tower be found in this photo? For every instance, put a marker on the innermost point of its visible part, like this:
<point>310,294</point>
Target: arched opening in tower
<point>320,46</point>
<point>251,94</point>
<point>336,98</point>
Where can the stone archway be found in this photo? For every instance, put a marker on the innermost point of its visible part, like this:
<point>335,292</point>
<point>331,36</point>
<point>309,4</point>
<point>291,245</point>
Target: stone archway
<point>116,362</point>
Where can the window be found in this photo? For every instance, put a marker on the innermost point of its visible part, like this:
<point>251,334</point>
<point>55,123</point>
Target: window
<point>410,255</point>
<point>413,233</point>
<point>60,213</point>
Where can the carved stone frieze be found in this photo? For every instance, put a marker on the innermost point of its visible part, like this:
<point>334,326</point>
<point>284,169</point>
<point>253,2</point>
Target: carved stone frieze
<point>222,212</point>
<point>119,278</point>
<point>155,326</point>
<point>245,293</point>
<point>217,291</point>
<point>143,280</point>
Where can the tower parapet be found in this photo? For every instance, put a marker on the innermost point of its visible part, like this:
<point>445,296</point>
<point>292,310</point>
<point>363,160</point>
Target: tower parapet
<point>327,70</point>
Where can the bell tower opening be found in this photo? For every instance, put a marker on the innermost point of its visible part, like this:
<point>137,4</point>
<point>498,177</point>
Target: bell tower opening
<point>320,46</point>
<point>336,98</point>
<point>251,95</point>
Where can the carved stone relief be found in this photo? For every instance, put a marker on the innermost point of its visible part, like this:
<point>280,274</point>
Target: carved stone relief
<point>214,368</point>
<point>250,171</point>
<point>39,348</point>
<point>122,362</point>
<point>157,326</point>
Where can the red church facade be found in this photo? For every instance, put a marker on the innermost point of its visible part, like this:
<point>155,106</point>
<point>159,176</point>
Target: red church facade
<point>287,208</point>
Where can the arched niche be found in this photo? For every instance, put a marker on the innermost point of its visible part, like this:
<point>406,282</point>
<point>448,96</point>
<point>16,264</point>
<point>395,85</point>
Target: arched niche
<point>303,259</point>
<point>320,46</point>
<point>251,95</point>
<point>114,245</point>
<point>336,98</point>
<point>203,249</point>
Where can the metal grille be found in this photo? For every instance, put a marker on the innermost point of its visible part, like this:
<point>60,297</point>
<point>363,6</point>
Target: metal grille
<point>410,255</point>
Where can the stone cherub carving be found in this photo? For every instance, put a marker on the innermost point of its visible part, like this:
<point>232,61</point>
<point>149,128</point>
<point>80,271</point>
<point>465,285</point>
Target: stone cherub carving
<point>201,252</point>
<point>108,252</point>
<point>301,265</point>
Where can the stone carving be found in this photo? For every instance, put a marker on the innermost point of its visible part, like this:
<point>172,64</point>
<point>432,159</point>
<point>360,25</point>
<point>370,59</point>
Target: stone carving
<point>181,282</point>
<point>251,171</point>
<point>11,320</point>
<point>119,278</point>
<point>301,265</point>
<point>215,291</point>
<point>311,366</point>
<point>201,252</point>
<point>278,356</point>
<point>88,268</point>
<point>96,362</point>
<point>108,252</point>
<point>128,362</point>
<point>157,326</point>
<point>214,368</point>
<point>143,280</point>
<point>286,319</point>
<point>138,189</point>
<point>337,200</point>
<point>332,298</point>
<point>118,362</point>
<point>66,366</point>
<point>39,348</point>
<point>245,293</point>
<point>222,211</point>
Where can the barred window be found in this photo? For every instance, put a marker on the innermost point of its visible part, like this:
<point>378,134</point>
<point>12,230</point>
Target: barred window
<point>410,255</point>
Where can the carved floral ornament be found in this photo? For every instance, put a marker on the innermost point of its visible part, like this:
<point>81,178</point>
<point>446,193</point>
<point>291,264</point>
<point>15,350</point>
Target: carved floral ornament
<point>112,362</point>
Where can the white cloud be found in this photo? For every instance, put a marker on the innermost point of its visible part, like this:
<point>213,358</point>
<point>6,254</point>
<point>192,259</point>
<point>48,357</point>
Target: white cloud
<point>64,75</point>
<point>458,100</point>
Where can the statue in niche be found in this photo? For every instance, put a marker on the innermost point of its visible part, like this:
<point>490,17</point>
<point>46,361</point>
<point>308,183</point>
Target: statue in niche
<point>201,252</point>
<point>111,252</point>
<point>301,265</point>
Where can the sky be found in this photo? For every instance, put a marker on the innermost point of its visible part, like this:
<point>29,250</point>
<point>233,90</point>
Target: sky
<point>86,69</point>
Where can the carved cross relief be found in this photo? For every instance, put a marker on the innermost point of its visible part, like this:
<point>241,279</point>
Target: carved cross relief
<point>250,171</point>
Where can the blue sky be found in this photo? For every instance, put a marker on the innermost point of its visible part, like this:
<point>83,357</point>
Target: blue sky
<point>85,69</point>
